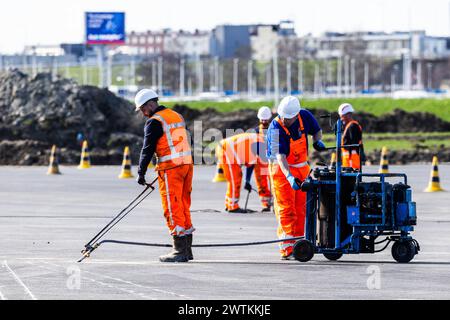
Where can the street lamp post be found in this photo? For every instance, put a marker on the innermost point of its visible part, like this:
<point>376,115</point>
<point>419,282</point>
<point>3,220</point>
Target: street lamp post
<point>430,75</point>
<point>235,75</point>
<point>300,76</point>
<point>288,76</point>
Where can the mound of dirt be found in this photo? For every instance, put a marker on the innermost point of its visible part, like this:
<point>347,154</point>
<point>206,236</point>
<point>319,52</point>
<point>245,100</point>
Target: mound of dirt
<point>37,112</point>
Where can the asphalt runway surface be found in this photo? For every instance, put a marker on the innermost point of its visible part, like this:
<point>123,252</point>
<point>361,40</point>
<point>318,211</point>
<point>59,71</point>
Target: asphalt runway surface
<point>46,220</point>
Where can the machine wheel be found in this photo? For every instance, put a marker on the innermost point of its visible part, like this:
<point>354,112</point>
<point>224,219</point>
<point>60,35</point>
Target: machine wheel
<point>303,250</point>
<point>332,256</point>
<point>403,251</point>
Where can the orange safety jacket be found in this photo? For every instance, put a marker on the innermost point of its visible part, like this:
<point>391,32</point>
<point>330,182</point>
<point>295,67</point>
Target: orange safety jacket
<point>298,149</point>
<point>238,149</point>
<point>173,148</point>
<point>351,157</point>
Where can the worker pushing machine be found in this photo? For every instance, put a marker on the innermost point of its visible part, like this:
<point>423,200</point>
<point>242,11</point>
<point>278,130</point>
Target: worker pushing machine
<point>287,150</point>
<point>352,135</point>
<point>261,168</point>
<point>232,153</point>
<point>165,134</point>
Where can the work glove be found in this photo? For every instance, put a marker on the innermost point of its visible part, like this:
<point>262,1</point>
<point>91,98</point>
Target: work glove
<point>319,145</point>
<point>294,182</point>
<point>248,186</point>
<point>141,180</point>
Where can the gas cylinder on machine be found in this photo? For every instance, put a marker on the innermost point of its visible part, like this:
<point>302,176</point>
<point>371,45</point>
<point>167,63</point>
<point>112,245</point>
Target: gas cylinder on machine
<point>327,210</point>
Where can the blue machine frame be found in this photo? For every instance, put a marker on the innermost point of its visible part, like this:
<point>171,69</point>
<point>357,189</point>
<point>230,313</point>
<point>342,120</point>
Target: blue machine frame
<point>396,227</point>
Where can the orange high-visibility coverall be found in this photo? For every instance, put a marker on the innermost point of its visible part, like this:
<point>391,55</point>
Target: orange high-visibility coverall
<point>232,153</point>
<point>175,170</point>
<point>262,175</point>
<point>290,204</point>
<point>351,156</point>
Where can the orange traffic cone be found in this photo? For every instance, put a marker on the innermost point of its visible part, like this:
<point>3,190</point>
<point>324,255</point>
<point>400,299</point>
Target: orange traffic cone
<point>333,160</point>
<point>85,161</point>
<point>53,168</point>
<point>434,185</point>
<point>384,163</point>
<point>219,177</point>
<point>126,165</point>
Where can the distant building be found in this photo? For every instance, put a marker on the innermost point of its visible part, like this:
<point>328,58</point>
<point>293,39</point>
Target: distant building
<point>189,44</point>
<point>380,44</point>
<point>183,42</point>
<point>44,50</point>
<point>79,50</point>
<point>228,41</point>
<point>147,42</point>
<point>264,38</point>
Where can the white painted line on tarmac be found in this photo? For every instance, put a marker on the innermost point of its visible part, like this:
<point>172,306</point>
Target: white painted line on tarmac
<point>121,289</point>
<point>146,287</point>
<point>19,281</point>
<point>2,296</point>
<point>131,283</point>
<point>141,295</point>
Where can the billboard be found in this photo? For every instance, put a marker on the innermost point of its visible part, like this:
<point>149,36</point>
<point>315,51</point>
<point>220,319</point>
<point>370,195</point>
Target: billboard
<point>105,27</point>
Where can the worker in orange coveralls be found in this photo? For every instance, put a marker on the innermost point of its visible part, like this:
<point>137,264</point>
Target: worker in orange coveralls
<point>232,153</point>
<point>166,135</point>
<point>261,168</point>
<point>352,135</point>
<point>287,150</point>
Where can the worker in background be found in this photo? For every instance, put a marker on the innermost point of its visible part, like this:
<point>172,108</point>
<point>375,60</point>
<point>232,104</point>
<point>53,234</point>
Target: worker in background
<point>165,134</point>
<point>287,140</point>
<point>261,168</point>
<point>232,153</point>
<point>352,134</point>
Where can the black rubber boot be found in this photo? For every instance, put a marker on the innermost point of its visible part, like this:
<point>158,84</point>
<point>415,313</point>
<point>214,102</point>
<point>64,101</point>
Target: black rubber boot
<point>179,253</point>
<point>189,247</point>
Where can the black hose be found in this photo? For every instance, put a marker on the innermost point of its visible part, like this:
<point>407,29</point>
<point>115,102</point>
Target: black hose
<point>389,241</point>
<point>90,249</point>
<point>208,245</point>
<point>380,242</point>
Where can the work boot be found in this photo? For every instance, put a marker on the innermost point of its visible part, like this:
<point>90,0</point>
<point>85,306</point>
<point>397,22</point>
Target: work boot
<point>266,209</point>
<point>189,247</point>
<point>238,210</point>
<point>179,253</point>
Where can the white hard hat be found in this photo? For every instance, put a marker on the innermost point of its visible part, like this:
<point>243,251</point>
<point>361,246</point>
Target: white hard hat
<point>264,113</point>
<point>345,108</point>
<point>289,107</point>
<point>143,96</point>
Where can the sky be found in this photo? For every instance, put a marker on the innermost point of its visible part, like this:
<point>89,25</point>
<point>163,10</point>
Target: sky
<point>32,22</point>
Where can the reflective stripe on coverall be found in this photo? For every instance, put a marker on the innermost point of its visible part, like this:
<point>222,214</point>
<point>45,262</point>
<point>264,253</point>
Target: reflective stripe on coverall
<point>262,176</point>
<point>290,204</point>
<point>175,171</point>
<point>350,158</point>
<point>232,153</point>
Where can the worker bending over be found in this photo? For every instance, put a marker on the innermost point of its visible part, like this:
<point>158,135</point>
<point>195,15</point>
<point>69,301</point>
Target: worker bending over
<point>287,140</point>
<point>352,135</point>
<point>232,153</point>
<point>165,133</point>
<point>261,168</point>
